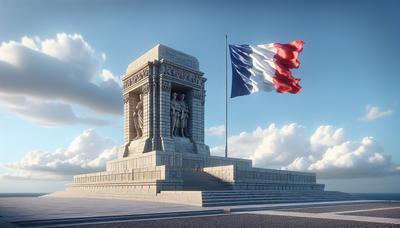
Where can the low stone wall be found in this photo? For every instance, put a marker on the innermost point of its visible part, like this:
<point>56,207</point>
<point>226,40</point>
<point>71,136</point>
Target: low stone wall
<point>264,179</point>
<point>213,161</point>
<point>274,176</point>
<point>165,178</point>
<point>136,181</point>
<point>148,159</point>
<point>143,174</point>
<point>134,162</point>
<point>186,197</point>
<point>127,188</point>
<point>224,173</point>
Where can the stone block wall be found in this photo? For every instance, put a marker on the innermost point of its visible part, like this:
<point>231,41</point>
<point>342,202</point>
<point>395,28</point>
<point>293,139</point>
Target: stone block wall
<point>224,173</point>
<point>149,159</point>
<point>264,179</point>
<point>213,161</point>
<point>150,179</point>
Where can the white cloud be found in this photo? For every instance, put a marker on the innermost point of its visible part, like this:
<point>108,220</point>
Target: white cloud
<point>108,75</point>
<point>88,152</point>
<point>326,136</point>
<point>277,145</point>
<point>326,152</point>
<point>46,113</point>
<point>63,71</point>
<point>374,112</point>
<point>216,130</point>
<point>218,150</point>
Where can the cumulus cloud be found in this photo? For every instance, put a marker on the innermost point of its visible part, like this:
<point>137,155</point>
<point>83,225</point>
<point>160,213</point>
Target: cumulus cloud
<point>326,136</point>
<point>107,75</point>
<point>326,152</point>
<point>46,113</point>
<point>375,112</point>
<point>62,72</point>
<point>88,152</point>
<point>216,130</point>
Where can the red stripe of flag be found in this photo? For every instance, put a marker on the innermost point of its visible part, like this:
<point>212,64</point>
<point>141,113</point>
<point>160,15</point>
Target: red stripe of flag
<point>286,58</point>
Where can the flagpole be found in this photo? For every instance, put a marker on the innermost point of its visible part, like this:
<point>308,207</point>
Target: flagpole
<point>226,95</point>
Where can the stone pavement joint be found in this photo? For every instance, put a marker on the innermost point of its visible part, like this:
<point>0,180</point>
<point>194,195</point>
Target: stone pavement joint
<point>333,216</point>
<point>51,222</point>
<point>365,210</point>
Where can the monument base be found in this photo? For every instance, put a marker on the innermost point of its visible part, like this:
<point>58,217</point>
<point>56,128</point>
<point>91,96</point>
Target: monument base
<point>218,198</point>
<point>202,181</point>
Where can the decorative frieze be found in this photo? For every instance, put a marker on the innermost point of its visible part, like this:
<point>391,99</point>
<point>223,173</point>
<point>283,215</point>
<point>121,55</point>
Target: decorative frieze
<point>137,77</point>
<point>181,74</point>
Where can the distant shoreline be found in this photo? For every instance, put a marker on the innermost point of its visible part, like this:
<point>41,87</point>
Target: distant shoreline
<point>22,194</point>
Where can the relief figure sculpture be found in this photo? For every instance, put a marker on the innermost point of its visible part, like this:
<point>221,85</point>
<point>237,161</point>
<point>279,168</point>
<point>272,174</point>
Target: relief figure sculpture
<point>175,114</point>
<point>184,110</point>
<point>179,115</point>
<point>138,118</point>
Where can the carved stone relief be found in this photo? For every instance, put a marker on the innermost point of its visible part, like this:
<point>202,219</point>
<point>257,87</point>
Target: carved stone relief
<point>136,77</point>
<point>179,115</point>
<point>181,74</point>
<point>138,117</point>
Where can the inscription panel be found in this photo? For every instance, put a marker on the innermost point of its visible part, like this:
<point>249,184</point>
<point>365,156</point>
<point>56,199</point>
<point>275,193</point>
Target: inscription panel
<point>181,74</point>
<point>136,78</point>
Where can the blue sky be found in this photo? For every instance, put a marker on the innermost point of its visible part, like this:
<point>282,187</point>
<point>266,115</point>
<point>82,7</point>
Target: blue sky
<point>350,61</point>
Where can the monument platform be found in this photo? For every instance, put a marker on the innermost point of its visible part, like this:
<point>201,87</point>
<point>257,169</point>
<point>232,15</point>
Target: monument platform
<point>164,157</point>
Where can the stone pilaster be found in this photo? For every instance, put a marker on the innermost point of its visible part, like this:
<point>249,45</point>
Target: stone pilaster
<point>156,140</point>
<point>197,116</point>
<point>146,110</point>
<point>165,119</point>
<point>128,123</point>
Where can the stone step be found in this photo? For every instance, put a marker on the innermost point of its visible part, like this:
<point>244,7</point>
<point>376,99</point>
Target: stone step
<point>269,197</point>
<point>247,197</point>
<point>275,197</point>
<point>251,202</point>
<point>269,191</point>
<point>269,194</point>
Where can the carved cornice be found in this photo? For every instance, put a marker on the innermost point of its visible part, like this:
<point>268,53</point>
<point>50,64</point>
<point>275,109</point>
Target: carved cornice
<point>135,78</point>
<point>181,74</point>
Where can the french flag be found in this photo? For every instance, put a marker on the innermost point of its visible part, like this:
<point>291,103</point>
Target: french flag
<point>265,67</point>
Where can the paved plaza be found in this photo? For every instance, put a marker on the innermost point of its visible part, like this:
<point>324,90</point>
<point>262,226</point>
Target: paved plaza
<point>92,212</point>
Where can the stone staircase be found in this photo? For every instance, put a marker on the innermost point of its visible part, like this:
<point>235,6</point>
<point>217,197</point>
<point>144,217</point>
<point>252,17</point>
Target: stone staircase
<point>218,193</point>
<point>249,197</point>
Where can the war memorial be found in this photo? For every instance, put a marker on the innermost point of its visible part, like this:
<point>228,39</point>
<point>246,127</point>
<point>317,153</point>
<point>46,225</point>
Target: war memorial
<point>164,157</point>
<point>165,176</point>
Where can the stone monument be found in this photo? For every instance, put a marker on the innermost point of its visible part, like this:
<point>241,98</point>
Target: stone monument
<point>164,157</point>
